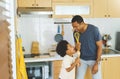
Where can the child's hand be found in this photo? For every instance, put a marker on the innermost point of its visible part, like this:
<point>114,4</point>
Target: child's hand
<point>77,61</point>
<point>78,46</point>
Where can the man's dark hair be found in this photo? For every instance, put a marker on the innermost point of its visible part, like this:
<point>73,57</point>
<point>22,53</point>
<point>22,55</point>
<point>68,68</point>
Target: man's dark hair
<point>62,47</point>
<point>77,18</point>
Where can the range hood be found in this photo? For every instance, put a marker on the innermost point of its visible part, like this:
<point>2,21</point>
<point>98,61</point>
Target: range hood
<point>35,10</point>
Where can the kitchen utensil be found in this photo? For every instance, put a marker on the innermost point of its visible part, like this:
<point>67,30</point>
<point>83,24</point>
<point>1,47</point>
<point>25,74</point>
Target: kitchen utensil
<point>77,36</point>
<point>35,47</point>
<point>109,37</point>
<point>58,37</point>
<point>62,33</point>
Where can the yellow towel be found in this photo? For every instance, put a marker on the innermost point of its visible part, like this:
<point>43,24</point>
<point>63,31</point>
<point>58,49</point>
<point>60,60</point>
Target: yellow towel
<point>20,64</point>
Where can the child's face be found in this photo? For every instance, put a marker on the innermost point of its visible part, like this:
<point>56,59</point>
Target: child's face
<point>70,49</point>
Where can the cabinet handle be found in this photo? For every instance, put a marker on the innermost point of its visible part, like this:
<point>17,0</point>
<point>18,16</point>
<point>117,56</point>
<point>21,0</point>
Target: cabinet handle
<point>36,4</point>
<point>105,59</point>
<point>102,59</point>
<point>105,15</point>
<point>108,15</point>
<point>32,4</point>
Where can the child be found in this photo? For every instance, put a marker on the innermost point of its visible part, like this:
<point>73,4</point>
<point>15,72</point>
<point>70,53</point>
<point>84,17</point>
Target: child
<point>69,63</point>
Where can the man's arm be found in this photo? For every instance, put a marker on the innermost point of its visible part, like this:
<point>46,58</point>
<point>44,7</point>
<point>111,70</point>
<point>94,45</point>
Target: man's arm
<point>98,58</point>
<point>99,50</point>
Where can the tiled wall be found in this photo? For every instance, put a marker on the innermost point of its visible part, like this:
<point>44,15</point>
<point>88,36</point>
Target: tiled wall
<point>42,29</point>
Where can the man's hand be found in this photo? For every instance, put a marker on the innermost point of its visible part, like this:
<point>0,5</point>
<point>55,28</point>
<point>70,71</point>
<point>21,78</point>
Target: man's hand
<point>95,68</point>
<point>78,46</point>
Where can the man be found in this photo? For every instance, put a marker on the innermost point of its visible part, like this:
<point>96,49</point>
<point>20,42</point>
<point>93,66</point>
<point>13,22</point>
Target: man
<point>91,47</point>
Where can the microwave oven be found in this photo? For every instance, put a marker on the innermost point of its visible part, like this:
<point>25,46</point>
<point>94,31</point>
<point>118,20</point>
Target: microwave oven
<point>37,71</point>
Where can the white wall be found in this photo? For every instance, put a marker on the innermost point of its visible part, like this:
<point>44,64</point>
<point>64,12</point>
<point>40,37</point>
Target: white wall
<point>42,29</point>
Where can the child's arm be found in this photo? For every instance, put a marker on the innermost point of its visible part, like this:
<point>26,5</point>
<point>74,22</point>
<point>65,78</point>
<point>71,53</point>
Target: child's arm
<point>77,60</point>
<point>78,46</point>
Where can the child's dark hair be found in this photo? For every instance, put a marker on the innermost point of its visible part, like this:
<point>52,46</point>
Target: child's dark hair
<point>62,47</point>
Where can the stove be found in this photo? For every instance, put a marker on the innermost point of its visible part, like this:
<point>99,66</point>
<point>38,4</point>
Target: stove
<point>35,55</point>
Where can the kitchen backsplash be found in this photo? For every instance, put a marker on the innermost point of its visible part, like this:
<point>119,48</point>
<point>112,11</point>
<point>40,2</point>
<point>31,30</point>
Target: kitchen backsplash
<point>42,29</point>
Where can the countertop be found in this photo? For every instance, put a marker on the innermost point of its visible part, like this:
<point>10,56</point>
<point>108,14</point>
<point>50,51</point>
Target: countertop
<point>108,53</point>
<point>42,59</point>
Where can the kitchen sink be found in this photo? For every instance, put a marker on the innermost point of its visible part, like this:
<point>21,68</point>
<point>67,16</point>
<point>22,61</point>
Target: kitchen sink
<point>110,51</point>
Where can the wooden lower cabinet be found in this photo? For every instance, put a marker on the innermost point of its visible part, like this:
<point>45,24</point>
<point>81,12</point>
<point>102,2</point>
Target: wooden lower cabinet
<point>56,68</point>
<point>88,74</point>
<point>110,67</point>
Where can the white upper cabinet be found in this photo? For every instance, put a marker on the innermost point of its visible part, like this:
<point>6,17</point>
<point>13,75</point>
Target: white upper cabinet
<point>68,10</point>
<point>72,10</point>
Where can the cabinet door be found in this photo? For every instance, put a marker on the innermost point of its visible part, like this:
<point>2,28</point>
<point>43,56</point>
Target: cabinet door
<point>111,68</point>
<point>114,8</point>
<point>26,3</point>
<point>56,68</point>
<point>66,1</point>
<point>82,0</point>
<point>34,3</point>
<point>43,3</point>
<point>68,10</point>
<point>102,67</point>
<point>61,1</point>
<point>100,8</point>
<point>88,74</point>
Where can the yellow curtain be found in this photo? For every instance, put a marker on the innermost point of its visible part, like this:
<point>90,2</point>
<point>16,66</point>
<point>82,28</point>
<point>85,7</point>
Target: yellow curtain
<point>20,64</point>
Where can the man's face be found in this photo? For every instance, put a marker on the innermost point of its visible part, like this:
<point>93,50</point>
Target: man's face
<point>77,26</point>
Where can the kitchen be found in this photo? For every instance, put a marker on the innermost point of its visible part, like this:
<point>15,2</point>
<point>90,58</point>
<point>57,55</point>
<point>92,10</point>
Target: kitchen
<point>43,28</point>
